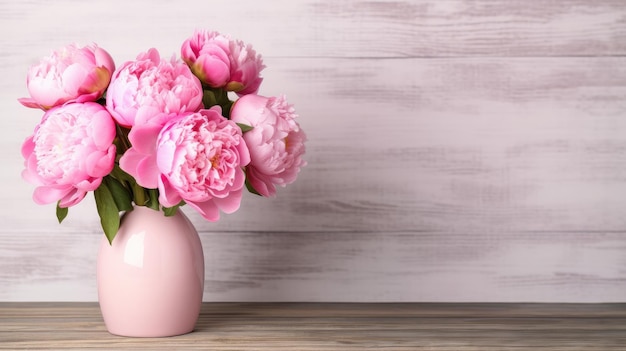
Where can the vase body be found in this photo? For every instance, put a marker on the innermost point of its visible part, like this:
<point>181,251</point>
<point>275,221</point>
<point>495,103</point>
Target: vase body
<point>151,279</point>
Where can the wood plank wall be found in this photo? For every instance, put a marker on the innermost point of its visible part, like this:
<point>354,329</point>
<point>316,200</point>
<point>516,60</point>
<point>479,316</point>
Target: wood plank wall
<point>458,150</point>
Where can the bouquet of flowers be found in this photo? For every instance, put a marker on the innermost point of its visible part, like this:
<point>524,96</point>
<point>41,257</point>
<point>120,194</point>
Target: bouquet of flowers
<point>158,133</point>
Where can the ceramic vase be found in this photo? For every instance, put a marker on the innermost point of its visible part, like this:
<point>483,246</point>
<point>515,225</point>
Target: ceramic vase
<point>151,278</point>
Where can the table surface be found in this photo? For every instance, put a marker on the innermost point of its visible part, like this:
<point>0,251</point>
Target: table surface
<point>331,326</point>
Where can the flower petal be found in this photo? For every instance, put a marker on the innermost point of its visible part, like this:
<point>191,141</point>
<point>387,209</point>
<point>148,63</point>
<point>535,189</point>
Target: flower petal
<point>230,203</point>
<point>144,138</point>
<point>72,198</point>
<point>208,210</point>
<point>44,195</point>
<point>148,172</point>
<point>28,102</point>
<point>168,196</point>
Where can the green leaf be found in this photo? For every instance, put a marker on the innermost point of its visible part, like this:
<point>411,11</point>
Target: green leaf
<point>108,212</point>
<point>139,193</point>
<point>153,199</point>
<point>227,106</point>
<point>245,127</point>
<point>61,212</point>
<point>209,99</point>
<point>121,195</point>
<point>251,188</point>
<point>170,211</point>
<point>120,175</point>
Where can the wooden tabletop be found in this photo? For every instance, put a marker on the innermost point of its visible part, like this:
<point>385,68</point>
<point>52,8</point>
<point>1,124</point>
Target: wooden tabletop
<point>331,326</point>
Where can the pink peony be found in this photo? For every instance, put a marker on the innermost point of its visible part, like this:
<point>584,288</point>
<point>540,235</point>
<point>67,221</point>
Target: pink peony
<point>150,86</point>
<point>276,142</point>
<point>245,69</point>
<point>196,157</point>
<point>207,54</point>
<point>71,74</point>
<point>69,153</point>
<point>221,62</point>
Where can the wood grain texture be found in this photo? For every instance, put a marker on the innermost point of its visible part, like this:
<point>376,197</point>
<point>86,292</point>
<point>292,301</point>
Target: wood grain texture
<point>353,267</point>
<point>458,327</point>
<point>458,150</point>
<point>326,28</point>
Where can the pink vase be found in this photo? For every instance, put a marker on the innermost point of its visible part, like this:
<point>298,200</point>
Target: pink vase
<point>151,280</point>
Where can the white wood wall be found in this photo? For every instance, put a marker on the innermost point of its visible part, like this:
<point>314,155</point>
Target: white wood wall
<point>459,150</point>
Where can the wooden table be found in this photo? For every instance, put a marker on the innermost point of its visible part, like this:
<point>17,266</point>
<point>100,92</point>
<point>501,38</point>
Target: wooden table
<point>332,326</point>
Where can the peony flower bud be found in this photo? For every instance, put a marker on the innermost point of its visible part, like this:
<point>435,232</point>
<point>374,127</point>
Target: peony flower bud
<point>221,62</point>
<point>71,74</point>
<point>207,54</point>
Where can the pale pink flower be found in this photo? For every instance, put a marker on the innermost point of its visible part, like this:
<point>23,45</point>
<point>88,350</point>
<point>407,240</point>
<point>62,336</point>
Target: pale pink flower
<point>71,74</point>
<point>207,54</point>
<point>69,152</point>
<point>195,157</point>
<point>150,86</point>
<point>276,142</point>
<point>221,62</point>
<point>245,69</point>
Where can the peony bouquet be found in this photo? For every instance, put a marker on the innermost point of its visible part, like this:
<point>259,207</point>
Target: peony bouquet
<point>158,133</point>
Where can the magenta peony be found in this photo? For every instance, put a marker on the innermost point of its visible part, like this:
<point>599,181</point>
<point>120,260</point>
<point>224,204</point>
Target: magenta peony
<point>221,62</point>
<point>150,86</point>
<point>196,157</point>
<point>71,74</point>
<point>69,153</point>
<point>276,142</point>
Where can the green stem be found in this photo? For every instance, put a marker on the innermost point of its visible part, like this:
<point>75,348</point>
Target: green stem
<point>226,108</point>
<point>217,96</point>
<point>154,199</point>
<point>122,134</point>
<point>139,196</point>
<point>138,192</point>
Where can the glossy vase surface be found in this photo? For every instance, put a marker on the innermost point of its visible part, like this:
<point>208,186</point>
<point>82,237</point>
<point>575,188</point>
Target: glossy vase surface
<point>151,279</point>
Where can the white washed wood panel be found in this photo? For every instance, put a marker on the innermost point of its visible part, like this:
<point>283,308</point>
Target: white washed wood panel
<point>358,267</point>
<point>459,150</point>
<point>346,28</point>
